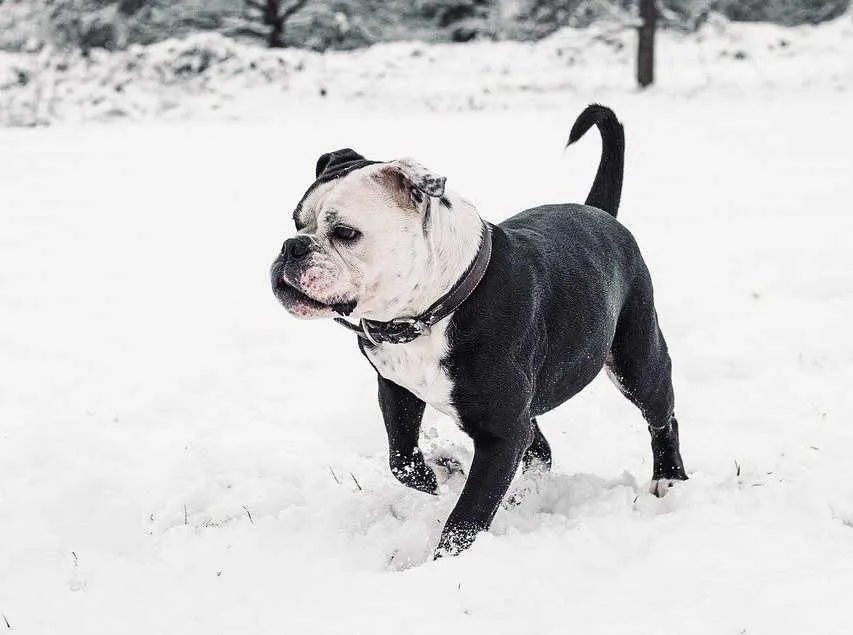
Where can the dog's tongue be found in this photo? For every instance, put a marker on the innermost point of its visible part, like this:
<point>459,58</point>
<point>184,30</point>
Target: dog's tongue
<point>344,308</point>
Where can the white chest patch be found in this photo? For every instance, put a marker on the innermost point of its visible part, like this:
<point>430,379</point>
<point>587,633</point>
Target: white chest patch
<point>416,366</point>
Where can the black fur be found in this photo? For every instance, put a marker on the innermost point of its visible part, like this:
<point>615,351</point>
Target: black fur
<point>330,166</point>
<point>339,163</point>
<point>333,165</point>
<point>566,292</point>
<point>607,186</point>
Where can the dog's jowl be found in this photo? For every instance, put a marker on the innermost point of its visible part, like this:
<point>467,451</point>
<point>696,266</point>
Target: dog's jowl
<point>490,324</point>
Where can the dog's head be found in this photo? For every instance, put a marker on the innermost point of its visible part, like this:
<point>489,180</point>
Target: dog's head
<point>362,245</point>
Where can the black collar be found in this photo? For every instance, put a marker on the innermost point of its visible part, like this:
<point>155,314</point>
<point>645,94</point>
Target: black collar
<point>405,330</point>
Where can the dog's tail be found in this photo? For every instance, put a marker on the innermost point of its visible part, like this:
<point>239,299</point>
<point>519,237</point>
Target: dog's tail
<point>607,186</point>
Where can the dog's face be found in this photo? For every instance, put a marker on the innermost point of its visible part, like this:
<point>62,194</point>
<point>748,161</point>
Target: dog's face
<point>361,246</point>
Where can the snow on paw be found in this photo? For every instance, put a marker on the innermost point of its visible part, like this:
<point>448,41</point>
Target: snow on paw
<point>447,468</point>
<point>660,487</point>
<point>536,464</point>
<point>526,492</point>
<point>449,460</point>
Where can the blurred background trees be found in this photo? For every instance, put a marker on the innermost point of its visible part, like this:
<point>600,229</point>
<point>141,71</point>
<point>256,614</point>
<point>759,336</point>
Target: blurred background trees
<point>347,24</point>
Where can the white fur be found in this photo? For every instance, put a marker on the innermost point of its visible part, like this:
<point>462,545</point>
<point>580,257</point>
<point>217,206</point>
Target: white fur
<point>402,264</point>
<point>453,237</point>
<point>417,367</point>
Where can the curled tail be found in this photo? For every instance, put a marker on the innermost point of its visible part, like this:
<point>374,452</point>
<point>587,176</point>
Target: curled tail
<point>607,186</point>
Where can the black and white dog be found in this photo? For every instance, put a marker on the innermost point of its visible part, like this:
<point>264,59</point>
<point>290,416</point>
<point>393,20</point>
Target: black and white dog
<point>492,325</point>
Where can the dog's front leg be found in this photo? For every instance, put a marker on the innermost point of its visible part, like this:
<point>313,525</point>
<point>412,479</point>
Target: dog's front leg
<point>495,463</point>
<point>402,412</point>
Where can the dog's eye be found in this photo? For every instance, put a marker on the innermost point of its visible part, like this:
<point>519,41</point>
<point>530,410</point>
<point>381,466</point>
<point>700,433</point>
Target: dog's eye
<point>344,233</point>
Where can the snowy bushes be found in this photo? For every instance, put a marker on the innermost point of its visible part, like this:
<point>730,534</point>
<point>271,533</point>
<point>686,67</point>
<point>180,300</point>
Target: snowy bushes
<point>688,13</point>
<point>163,79</point>
<point>788,12</point>
<point>19,25</point>
<point>348,24</point>
<point>209,74</point>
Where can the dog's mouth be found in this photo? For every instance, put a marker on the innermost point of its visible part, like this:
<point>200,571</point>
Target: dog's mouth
<point>301,304</point>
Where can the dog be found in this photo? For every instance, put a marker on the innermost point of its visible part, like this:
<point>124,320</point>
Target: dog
<point>491,324</point>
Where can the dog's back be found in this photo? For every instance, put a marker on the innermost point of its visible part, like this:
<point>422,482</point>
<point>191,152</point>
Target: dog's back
<point>571,268</point>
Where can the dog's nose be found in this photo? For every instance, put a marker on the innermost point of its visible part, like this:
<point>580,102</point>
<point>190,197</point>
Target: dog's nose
<point>296,248</point>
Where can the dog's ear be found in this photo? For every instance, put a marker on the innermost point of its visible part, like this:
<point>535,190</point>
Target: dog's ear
<point>423,179</point>
<point>333,161</point>
<point>409,180</point>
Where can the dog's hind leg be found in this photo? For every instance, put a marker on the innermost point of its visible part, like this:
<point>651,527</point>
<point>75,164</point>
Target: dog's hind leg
<point>539,452</point>
<point>640,366</point>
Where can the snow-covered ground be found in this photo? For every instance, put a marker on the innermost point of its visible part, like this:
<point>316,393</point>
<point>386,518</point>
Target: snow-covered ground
<point>177,455</point>
<point>212,76</point>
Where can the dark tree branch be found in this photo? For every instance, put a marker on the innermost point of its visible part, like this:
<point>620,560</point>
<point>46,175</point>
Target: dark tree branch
<point>293,8</point>
<point>275,16</point>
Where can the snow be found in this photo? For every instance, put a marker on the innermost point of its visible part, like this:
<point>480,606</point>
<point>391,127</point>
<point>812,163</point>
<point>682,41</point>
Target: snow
<point>177,455</point>
<point>213,76</point>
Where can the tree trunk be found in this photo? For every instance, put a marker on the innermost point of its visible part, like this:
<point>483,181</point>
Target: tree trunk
<point>646,44</point>
<point>276,24</point>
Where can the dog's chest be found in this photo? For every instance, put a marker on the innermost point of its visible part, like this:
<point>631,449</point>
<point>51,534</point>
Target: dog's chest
<point>417,367</point>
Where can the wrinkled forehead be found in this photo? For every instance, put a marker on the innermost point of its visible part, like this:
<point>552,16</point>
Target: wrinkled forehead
<point>352,194</point>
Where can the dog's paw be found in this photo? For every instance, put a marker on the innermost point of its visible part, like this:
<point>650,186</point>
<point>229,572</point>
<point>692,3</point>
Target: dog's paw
<point>454,541</point>
<point>415,473</point>
<point>659,487</point>
<point>535,463</point>
<point>447,466</point>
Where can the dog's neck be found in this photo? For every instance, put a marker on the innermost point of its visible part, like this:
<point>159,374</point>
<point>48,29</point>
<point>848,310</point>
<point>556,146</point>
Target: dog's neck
<point>454,233</point>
